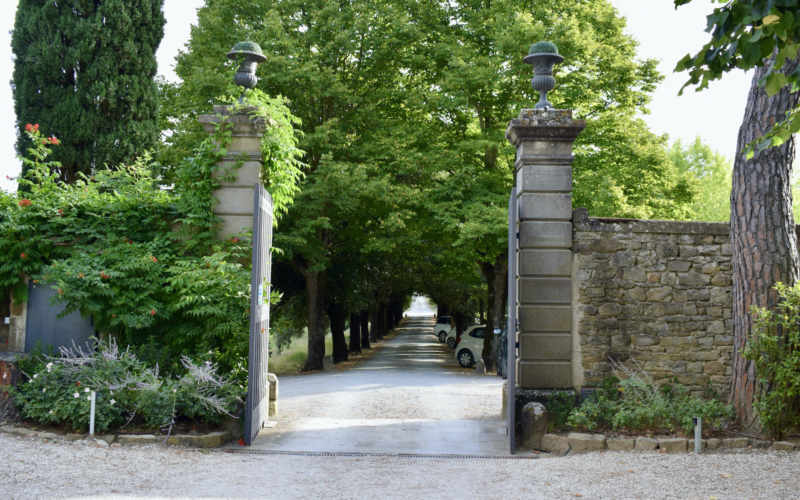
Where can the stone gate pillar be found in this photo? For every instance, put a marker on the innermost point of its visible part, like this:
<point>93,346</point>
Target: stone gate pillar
<point>235,199</point>
<point>543,138</point>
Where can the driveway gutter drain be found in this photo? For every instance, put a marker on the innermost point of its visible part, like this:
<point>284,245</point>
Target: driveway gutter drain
<point>379,455</point>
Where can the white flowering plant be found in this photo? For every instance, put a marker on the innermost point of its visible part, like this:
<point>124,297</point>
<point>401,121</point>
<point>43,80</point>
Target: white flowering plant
<point>58,387</point>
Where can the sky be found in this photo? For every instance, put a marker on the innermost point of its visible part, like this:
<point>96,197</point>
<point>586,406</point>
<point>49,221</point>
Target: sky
<point>663,33</point>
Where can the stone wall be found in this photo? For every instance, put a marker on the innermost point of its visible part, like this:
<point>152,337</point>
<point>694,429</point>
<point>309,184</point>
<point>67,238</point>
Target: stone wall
<point>653,292</point>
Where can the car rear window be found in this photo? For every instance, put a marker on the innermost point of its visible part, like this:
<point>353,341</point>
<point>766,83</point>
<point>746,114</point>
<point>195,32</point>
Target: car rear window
<point>477,333</point>
<point>444,320</point>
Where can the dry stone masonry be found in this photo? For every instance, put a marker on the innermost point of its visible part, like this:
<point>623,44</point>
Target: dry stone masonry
<point>656,293</point>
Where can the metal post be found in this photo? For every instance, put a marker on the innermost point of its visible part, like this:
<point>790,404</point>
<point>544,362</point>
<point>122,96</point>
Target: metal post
<point>91,416</point>
<point>698,434</point>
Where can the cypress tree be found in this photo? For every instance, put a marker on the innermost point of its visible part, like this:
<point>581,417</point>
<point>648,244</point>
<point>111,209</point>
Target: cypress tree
<point>84,71</point>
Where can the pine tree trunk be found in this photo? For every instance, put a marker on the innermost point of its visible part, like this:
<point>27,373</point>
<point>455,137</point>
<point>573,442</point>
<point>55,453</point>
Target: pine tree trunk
<point>315,300</point>
<point>355,332</point>
<point>338,318</point>
<point>373,325</point>
<point>496,274</point>
<point>762,229</point>
<point>365,330</point>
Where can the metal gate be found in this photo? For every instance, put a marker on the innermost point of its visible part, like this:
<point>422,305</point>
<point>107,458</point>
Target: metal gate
<point>513,217</point>
<point>257,404</point>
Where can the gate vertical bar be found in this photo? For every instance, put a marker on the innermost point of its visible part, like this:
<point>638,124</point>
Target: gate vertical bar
<point>511,336</point>
<point>257,404</point>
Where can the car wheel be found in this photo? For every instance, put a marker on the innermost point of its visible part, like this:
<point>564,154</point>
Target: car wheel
<point>451,342</point>
<point>442,337</point>
<point>465,359</point>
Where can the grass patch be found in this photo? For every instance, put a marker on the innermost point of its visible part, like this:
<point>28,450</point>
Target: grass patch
<point>292,358</point>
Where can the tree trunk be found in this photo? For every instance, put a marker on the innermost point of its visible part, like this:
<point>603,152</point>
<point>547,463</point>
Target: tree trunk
<point>381,321</point>
<point>496,274</point>
<point>460,322</point>
<point>315,300</point>
<point>373,325</point>
<point>762,229</point>
<point>365,330</point>
<point>481,317</point>
<point>338,318</point>
<point>355,332</point>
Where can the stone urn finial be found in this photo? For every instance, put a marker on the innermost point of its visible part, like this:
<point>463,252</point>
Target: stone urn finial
<point>543,56</point>
<point>250,54</point>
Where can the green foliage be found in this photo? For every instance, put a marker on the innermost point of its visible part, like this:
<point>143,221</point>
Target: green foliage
<point>143,262</point>
<point>746,34</point>
<point>711,172</point>
<point>774,347</point>
<point>559,409</point>
<point>636,404</point>
<point>543,48</point>
<point>56,389</point>
<point>248,46</point>
<point>84,71</point>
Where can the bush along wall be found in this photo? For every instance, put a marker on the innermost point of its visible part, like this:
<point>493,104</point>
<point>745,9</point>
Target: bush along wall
<point>142,260</point>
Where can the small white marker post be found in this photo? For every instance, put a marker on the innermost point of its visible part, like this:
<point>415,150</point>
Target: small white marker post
<point>698,434</point>
<point>91,417</point>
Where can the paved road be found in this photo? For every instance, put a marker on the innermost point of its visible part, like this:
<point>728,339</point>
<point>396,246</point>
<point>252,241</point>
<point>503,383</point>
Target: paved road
<point>412,397</point>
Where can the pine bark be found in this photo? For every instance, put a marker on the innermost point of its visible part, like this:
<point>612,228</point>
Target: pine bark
<point>496,274</point>
<point>364,315</point>
<point>763,235</point>
<point>355,332</point>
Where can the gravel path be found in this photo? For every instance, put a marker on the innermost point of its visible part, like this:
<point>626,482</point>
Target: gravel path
<point>413,377</point>
<point>31,469</point>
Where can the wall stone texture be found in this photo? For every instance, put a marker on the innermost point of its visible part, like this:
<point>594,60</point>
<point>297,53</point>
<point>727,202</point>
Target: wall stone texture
<point>653,294</point>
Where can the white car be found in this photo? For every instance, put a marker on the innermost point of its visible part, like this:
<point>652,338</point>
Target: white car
<point>441,327</point>
<point>470,346</point>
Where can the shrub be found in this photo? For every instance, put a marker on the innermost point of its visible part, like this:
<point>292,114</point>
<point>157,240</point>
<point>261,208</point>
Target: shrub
<point>57,389</point>
<point>636,403</point>
<point>774,347</point>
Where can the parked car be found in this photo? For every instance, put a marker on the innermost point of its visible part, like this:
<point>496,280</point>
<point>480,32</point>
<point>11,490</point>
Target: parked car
<point>442,327</point>
<point>470,346</point>
<point>502,354</point>
<point>451,338</point>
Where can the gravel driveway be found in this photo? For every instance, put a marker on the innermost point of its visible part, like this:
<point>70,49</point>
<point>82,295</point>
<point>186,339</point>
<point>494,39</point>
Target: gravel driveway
<point>34,469</point>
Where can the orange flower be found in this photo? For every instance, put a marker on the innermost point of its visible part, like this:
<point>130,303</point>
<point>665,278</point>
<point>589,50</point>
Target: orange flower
<point>22,255</point>
<point>154,259</point>
<point>60,291</point>
<point>152,312</point>
<point>25,202</point>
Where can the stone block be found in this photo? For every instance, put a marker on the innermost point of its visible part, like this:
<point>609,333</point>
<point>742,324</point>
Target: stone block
<point>174,439</point>
<point>645,444</point>
<point>504,407</point>
<point>667,249</point>
<point>554,442</point>
<point>545,291</point>
<point>247,175</point>
<point>637,294</point>
<point>545,319</point>
<point>99,443</point>
<point>541,375</point>
<point>107,438</point>
<point>718,296</point>
<point>659,294</point>
<point>19,431</point>
<point>690,445</point>
<point>610,309</point>
<point>136,439</point>
<point>679,266</point>
<point>545,206</point>
<point>52,436</point>
<point>783,446</point>
<point>545,346</point>
<point>585,443</point>
<point>273,386</point>
<point>620,444</point>
<point>544,178</point>
<point>233,201</point>
<point>605,245</point>
<point>533,234</point>
<point>714,443</point>
<point>74,437</point>
<point>327,363</point>
<point>739,442</point>
<point>677,445</point>
<point>233,224</point>
<point>215,439</point>
<point>714,368</point>
<point>533,426</point>
<point>545,263</point>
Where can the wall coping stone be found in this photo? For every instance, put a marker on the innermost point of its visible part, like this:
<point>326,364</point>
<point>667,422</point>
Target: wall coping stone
<point>582,222</point>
